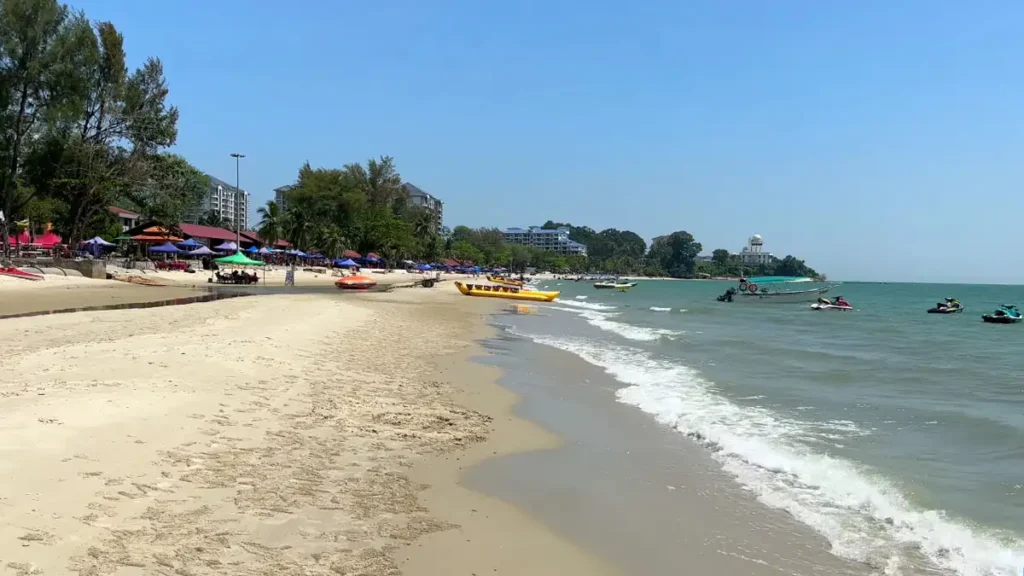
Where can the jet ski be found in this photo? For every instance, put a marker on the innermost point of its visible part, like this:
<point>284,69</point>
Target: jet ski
<point>950,306</point>
<point>1006,314</point>
<point>825,304</point>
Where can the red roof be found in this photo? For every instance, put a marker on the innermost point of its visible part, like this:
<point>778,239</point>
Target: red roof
<point>452,263</point>
<point>122,213</point>
<point>254,237</point>
<point>196,230</point>
<point>373,255</point>
<point>351,254</point>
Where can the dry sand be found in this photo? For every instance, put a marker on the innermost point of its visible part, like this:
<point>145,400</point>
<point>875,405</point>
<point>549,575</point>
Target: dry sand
<point>263,435</point>
<point>275,276</point>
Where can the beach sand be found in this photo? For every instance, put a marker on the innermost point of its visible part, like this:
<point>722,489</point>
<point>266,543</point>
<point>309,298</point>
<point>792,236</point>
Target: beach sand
<point>270,435</point>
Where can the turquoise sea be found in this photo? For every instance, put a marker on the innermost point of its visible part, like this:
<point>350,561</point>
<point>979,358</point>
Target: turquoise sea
<point>896,434</point>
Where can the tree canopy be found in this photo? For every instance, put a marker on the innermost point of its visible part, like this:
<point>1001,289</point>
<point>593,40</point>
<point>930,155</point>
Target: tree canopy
<point>80,131</point>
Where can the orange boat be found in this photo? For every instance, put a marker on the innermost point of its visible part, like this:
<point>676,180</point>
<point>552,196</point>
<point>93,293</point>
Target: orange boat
<point>357,282</point>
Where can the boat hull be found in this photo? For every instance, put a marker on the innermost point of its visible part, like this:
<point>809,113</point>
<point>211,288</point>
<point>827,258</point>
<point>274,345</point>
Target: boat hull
<point>508,293</point>
<point>506,282</point>
<point>795,297</point>
<point>993,319</point>
<point>831,307</point>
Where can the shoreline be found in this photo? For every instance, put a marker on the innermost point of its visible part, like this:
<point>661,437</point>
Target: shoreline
<point>617,467</point>
<point>489,535</point>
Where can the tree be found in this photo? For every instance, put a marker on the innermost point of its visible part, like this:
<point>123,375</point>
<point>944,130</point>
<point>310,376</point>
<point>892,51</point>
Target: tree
<point>466,253</point>
<point>40,76</point>
<point>675,254</point>
<point>271,225</point>
<point>211,218</point>
<point>172,188</point>
<point>720,256</point>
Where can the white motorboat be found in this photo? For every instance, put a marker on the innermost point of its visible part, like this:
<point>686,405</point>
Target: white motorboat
<point>775,289</point>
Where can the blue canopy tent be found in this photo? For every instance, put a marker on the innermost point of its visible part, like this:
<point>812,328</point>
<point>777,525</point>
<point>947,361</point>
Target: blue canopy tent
<point>251,250</point>
<point>264,250</point>
<point>423,267</point>
<point>347,263</point>
<point>190,244</point>
<point>97,246</point>
<point>298,253</point>
<point>202,251</point>
<point>97,241</point>
<point>167,248</point>
<point>227,247</point>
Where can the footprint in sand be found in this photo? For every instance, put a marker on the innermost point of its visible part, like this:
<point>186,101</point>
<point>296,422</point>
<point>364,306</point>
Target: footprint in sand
<point>37,536</point>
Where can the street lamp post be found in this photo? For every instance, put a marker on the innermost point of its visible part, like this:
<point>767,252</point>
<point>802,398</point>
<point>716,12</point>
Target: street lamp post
<point>237,157</point>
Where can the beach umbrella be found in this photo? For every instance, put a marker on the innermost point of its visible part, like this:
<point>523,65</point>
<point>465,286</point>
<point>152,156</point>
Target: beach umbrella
<point>167,248</point>
<point>202,251</point>
<point>227,247</point>
<point>190,243</point>
<point>252,249</point>
<point>238,259</point>
<point>347,263</point>
<point>265,250</point>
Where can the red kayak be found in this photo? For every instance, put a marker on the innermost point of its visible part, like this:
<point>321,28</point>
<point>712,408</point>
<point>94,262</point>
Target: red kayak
<point>14,272</point>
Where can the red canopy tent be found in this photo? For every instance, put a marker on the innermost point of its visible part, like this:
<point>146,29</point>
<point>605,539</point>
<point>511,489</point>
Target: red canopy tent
<point>22,239</point>
<point>48,240</point>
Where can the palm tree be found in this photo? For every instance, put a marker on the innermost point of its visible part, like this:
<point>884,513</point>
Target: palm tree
<point>214,219</point>
<point>330,240</point>
<point>297,228</point>
<point>271,226</point>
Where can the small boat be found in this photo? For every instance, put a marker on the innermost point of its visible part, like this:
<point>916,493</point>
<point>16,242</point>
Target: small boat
<point>507,292</point>
<point>950,306</point>
<point>774,289</point>
<point>1006,314</point>
<point>506,281</point>
<point>826,304</point>
<point>614,284</point>
<point>357,282</point>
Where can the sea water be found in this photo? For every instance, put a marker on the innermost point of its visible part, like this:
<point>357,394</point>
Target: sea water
<point>896,434</point>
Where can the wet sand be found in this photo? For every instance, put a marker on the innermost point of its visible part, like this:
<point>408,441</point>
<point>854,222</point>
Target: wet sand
<point>89,294</point>
<point>643,497</point>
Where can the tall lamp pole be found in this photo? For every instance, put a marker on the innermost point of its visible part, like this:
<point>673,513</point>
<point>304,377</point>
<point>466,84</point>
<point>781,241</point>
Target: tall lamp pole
<point>237,157</point>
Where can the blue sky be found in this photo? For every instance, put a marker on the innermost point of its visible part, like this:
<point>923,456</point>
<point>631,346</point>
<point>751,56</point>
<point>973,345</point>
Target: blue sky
<point>878,140</point>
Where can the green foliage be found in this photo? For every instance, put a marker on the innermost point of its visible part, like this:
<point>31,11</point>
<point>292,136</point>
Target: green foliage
<point>271,225</point>
<point>211,218</point>
<point>675,254</point>
<point>78,131</point>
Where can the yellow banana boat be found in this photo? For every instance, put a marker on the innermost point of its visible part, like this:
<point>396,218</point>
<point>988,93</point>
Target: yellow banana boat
<point>506,281</point>
<point>507,292</point>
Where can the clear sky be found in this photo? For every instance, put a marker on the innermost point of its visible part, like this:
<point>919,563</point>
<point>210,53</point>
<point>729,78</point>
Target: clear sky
<point>878,140</point>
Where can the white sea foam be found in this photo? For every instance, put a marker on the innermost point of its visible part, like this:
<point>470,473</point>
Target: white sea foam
<point>629,331</point>
<point>582,297</point>
<point>660,309</point>
<point>587,305</point>
<point>864,516</point>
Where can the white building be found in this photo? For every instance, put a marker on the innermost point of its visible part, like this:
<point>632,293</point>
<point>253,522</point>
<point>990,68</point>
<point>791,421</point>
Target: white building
<point>753,253</point>
<point>225,200</point>
<point>545,239</point>
<point>280,196</point>
<point>428,202</point>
